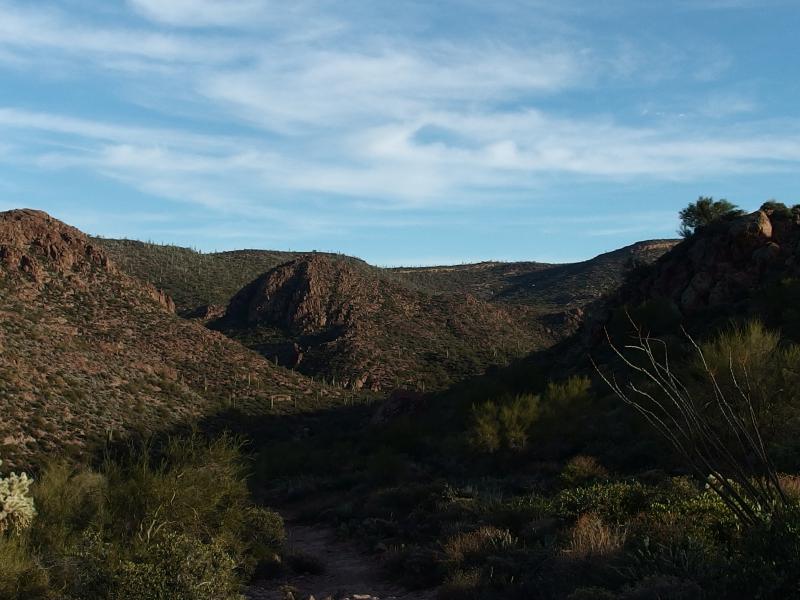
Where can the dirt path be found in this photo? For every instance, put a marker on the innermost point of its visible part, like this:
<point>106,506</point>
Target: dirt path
<point>349,573</point>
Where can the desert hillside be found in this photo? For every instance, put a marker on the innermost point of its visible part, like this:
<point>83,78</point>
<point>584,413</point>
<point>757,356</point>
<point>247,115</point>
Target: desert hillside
<point>345,321</point>
<point>88,352</point>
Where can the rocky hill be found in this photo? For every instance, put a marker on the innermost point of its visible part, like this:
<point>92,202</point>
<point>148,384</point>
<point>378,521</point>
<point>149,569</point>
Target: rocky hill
<point>547,287</point>
<point>196,281</point>
<point>734,268</point>
<point>87,352</point>
<point>347,322</point>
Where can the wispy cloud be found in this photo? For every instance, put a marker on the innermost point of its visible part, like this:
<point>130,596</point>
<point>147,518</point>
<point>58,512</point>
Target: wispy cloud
<point>193,13</point>
<point>299,112</point>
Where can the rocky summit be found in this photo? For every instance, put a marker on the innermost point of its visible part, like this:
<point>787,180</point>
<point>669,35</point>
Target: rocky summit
<point>742,266</point>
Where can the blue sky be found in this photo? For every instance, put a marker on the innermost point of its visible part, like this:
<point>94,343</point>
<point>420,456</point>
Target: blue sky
<point>404,132</point>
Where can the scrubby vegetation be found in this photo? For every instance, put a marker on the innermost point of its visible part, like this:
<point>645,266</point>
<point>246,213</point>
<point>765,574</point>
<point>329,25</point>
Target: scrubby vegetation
<point>705,211</point>
<point>529,488</point>
<point>633,461</point>
<point>193,279</point>
<point>168,522</point>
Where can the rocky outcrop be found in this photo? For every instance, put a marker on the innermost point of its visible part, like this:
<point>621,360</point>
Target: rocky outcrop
<point>308,295</point>
<point>32,243</point>
<point>37,247</point>
<point>720,269</point>
<point>723,263</point>
<point>340,319</point>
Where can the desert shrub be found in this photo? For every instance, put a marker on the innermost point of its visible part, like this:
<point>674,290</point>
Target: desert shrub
<point>582,469</point>
<point>701,515</point>
<point>751,358</point>
<point>177,567</point>
<point>778,209</point>
<point>590,537</point>
<point>22,577</point>
<point>718,416</point>
<point>263,539</point>
<point>564,405</point>
<point>563,396</point>
<point>265,528</point>
<point>461,585</point>
<point>485,434</point>
<point>612,501</point>
<point>175,522</point>
<point>16,503</point>
<point>193,487</point>
<point>492,555</point>
<point>70,500</point>
<point>703,212</point>
<point>505,424</point>
<point>790,484</point>
<point>473,546</point>
<point>766,564</point>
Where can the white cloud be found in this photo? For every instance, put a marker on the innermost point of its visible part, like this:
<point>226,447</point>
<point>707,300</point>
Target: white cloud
<point>29,30</point>
<point>336,89</point>
<point>323,109</point>
<point>189,13</point>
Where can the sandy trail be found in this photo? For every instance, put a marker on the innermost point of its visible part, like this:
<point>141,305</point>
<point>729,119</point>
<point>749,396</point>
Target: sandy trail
<point>349,573</point>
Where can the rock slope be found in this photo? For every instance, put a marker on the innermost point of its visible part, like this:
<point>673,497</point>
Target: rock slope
<point>345,321</point>
<point>744,267</point>
<point>88,352</point>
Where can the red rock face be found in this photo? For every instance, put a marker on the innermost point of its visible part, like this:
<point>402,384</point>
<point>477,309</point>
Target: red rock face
<point>311,295</point>
<point>31,242</point>
<point>36,246</point>
<point>724,262</point>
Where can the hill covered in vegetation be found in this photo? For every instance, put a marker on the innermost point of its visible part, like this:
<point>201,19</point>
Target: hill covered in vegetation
<point>345,321</point>
<point>88,353</point>
<point>419,328</point>
<point>653,453</point>
<point>551,287</point>
<point>665,469</point>
<point>194,280</point>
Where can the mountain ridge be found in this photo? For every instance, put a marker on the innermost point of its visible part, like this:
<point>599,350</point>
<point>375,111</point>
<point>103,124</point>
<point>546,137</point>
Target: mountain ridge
<point>89,353</point>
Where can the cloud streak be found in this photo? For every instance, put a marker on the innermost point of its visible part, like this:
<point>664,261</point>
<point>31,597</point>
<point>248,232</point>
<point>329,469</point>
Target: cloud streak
<point>292,113</point>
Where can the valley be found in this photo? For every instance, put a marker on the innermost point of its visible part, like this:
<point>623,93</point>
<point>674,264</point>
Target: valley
<point>450,432</point>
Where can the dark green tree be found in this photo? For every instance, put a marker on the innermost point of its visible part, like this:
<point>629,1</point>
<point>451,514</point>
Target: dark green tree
<point>705,211</point>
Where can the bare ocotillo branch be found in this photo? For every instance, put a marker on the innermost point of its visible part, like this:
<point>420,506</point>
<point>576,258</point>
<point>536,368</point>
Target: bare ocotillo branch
<point>719,436</point>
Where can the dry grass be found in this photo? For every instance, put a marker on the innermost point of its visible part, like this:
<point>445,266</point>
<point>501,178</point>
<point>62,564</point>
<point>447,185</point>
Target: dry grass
<point>464,547</point>
<point>590,537</point>
<point>581,469</point>
<point>790,484</point>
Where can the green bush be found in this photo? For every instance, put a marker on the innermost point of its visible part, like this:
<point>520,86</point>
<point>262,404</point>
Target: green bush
<point>567,398</point>
<point>70,501</point>
<point>22,577</point>
<point>485,434</point>
<point>264,537</point>
<point>177,567</point>
<point>505,424</point>
<point>703,212</point>
<point>614,501</point>
<point>582,469</point>
<point>174,523</point>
